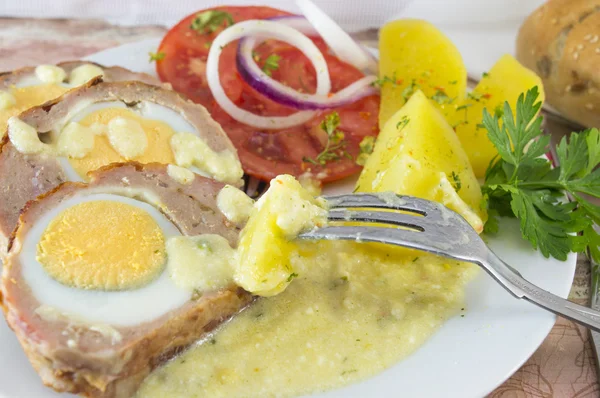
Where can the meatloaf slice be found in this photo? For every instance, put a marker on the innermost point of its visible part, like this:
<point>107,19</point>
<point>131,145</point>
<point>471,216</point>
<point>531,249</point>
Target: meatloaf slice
<point>25,176</point>
<point>111,74</point>
<point>73,357</point>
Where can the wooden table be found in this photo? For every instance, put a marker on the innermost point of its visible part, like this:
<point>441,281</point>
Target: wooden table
<point>563,366</point>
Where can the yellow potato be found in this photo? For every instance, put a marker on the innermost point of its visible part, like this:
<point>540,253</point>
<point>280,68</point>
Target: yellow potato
<point>417,153</point>
<point>415,55</point>
<point>504,82</point>
<point>265,248</point>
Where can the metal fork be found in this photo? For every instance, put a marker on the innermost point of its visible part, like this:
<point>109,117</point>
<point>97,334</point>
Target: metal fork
<point>429,226</point>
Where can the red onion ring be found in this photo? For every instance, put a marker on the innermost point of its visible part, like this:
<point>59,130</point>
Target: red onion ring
<point>285,95</point>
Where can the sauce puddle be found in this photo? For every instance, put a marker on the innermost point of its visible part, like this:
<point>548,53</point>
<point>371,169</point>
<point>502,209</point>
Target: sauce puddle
<point>353,311</point>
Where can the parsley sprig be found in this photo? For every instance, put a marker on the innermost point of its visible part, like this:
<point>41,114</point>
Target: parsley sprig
<point>335,146</point>
<point>211,20</point>
<point>520,182</point>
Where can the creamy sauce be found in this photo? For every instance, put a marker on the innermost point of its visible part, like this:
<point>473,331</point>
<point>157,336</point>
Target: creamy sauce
<point>50,74</point>
<point>25,98</point>
<point>202,263</point>
<point>75,140</point>
<point>352,311</point>
<point>234,204</point>
<point>7,100</point>
<point>180,174</point>
<point>191,150</point>
<point>127,137</point>
<point>84,73</point>
<point>25,138</point>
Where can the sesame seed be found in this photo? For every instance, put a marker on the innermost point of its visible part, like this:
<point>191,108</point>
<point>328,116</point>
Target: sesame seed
<point>594,39</point>
<point>554,21</point>
<point>589,106</point>
<point>598,50</point>
<point>568,88</point>
<point>587,37</point>
<point>580,46</point>
<point>576,56</point>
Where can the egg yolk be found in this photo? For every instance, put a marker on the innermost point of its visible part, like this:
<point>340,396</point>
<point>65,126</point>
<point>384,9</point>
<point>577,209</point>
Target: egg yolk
<point>158,144</point>
<point>102,245</point>
<point>27,97</point>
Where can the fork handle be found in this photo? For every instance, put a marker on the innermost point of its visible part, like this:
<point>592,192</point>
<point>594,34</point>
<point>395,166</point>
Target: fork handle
<point>512,281</point>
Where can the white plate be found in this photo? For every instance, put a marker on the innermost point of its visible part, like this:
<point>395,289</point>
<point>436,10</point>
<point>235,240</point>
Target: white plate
<point>468,357</point>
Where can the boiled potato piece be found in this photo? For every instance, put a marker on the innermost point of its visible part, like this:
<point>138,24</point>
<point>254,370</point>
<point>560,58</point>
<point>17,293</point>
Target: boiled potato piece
<point>415,55</point>
<point>265,246</point>
<point>418,154</point>
<point>504,82</point>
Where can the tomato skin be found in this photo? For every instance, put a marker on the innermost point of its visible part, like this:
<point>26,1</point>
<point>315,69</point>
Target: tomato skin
<point>267,153</point>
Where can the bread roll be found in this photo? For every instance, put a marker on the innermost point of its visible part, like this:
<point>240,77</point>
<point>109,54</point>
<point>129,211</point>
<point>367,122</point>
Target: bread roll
<point>560,41</point>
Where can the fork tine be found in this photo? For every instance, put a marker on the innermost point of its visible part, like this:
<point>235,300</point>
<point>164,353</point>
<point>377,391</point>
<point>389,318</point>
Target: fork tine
<point>394,218</point>
<point>387,200</point>
<point>399,237</point>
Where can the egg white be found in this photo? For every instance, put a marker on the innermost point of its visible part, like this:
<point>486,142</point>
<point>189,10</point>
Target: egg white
<point>119,308</point>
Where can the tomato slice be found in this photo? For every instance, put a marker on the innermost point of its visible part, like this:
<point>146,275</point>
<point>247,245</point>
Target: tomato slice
<point>267,153</point>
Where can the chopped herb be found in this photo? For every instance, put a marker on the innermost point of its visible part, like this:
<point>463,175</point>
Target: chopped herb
<point>485,74</point>
<point>292,276</point>
<point>415,259</point>
<point>461,107</point>
<point>410,90</point>
<point>403,122</point>
<point>213,341</point>
<point>522,184</point>
<point>204,245</point>
<point>386,79</point>
<point>158,56</point>
<point>208,44</point>
<point>344,278</point>
<point>345,372</point>
<point>475,96</point>
<point>479,126</point>
<point>334,147</point>
<point>453,82</point>
<point>260,314</point>
<point>211,20</point>
<point>441,97</point>
<point>196,294</point>
<point>366,148</point>
<point>456,181</point>
<point>271,64</point>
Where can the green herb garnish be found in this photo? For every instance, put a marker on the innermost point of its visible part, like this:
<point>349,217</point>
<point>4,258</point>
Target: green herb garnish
<point>386,79</point>
<point>271,64</point>
<point>292,276</point>
<point>410,90</point>
<point>366,148</point>
<point>334,147</point>
<point>521,183</point>
<point>441,97</point>
<point>211,20</point>
<point>156,56</point>
<point>403,122</point>
<point>456,181</point>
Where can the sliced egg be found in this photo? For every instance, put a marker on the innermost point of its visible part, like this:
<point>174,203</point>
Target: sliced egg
<point>80,259</point>
<point>160,124</point>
